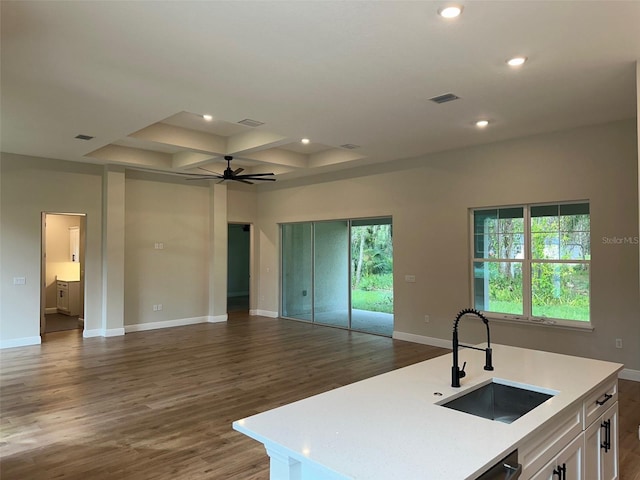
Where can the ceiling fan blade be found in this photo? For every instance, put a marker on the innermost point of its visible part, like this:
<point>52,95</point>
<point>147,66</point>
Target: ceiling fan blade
<point>243,181</point>
<point>254,175</point>
<point>203,177</point>
<point>238,170</point>
<point>263,179</point>
<point>210,171</point>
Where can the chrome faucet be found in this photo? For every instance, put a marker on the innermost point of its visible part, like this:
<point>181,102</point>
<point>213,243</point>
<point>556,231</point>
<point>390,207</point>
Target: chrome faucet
<point>456,372</point>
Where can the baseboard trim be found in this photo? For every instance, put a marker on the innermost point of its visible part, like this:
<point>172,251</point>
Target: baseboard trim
<point>101,332</point>
<point>412,337</point>
<point>20,342</point>
<point>50,310</point>
<point>264,313</point>
<point>629,374</point>
<point>217,318</point>
<point>114,332</point>
<point>96,332</point>
<point>179,322</point>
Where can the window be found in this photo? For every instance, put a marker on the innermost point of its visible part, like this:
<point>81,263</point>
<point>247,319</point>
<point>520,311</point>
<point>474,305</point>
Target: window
<point>532,262</point>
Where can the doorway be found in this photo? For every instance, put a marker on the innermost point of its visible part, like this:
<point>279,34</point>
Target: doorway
<point>238,267</point>
<point>62,272</point>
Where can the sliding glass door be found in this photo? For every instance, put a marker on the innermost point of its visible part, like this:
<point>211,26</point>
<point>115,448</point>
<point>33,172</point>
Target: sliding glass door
<point>372,276</point>
<point>331,273</point>
<point>339,273</point>
<point>297,271</point>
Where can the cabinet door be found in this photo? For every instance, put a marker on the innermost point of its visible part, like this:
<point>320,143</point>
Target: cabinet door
<point>567,465</point>
<point>63,299</point>
<point>601,447</point>
<point>610,454</point>
<point>592,456</point>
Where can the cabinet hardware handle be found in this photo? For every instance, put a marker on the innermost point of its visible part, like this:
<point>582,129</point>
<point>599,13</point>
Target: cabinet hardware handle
<point>607,435</point>
<point>561,471</point>
<point>607,397</point>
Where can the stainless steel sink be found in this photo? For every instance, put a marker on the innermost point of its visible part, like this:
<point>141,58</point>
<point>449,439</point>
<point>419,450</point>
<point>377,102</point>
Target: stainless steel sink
<point>495,401</point>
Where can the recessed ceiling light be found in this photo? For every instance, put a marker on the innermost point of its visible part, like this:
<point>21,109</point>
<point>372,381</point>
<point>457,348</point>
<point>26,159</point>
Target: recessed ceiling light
<point>305,141</point>
<point>516,61</point>
<point>208,118</point>
<point>452,11</point>
<point>482,123</point>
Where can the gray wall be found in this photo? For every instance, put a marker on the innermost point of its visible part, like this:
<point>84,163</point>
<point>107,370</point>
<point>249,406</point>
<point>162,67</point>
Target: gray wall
<point>29,187</point>
<point>429,199</point>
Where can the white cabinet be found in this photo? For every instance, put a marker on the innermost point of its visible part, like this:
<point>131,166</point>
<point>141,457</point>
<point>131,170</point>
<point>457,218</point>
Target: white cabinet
<point>68,297</point>
<point>550,440</point>
<point>601,446</point>
<point>74,244</point>
<point>580,445</point>
<point>567,465</point>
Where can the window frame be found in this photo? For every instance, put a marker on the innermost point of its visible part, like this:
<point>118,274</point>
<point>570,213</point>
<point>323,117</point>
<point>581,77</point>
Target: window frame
<point>526,263</point>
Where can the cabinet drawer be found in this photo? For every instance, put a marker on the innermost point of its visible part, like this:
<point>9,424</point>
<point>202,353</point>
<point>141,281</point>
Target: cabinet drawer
<point>546,443</point>
<point>599,401</point>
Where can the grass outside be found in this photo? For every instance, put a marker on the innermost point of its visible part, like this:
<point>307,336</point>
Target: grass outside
<point>372,300</point>
<point>567,312</point>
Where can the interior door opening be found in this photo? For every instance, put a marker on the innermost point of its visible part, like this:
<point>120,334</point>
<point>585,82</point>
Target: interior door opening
<point>62,272</point>
<point>238,267</point>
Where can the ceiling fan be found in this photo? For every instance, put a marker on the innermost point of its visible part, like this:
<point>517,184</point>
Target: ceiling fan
<point>229,174</point>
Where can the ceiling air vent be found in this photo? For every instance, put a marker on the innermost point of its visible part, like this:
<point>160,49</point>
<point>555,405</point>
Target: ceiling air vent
<point>251,123</point>
<point>83,137</point>
<point>447,97</point>
<point>350,146</point>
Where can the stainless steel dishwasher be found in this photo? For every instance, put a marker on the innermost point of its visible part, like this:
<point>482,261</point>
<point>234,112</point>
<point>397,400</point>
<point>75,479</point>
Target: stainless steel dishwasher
<point>506,469</point>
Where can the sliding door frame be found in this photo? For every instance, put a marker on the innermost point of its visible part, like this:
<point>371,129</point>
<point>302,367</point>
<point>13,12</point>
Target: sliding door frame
<point>313,223</point>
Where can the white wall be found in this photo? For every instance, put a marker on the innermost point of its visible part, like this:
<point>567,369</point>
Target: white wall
<point>429,199</point>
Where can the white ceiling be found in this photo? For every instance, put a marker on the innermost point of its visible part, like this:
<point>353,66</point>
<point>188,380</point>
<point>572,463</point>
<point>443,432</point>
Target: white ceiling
<point>138,76</point>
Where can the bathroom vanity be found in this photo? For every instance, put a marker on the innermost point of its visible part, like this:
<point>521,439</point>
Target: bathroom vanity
<point>395,425</point>
<point>68,297</point>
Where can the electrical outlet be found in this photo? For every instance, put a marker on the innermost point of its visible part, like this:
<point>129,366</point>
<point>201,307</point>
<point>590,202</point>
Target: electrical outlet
<point>304,293</point>
<point>159,306</point>
<point>618,343</point>
<point>155,308</point>
<point>426,319</point>
<point>19,280</point>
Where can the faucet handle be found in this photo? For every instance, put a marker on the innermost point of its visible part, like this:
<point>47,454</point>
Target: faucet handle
<point>488,359</point>
<point>462,372</point>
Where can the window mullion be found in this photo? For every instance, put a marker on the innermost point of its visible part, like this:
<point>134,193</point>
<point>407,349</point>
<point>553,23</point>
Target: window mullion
<point>526,265</point>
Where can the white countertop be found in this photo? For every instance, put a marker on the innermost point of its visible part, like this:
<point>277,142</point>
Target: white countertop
<point>391,426</point>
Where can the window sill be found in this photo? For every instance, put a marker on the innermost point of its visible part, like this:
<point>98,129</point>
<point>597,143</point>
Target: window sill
<point>578,326</point>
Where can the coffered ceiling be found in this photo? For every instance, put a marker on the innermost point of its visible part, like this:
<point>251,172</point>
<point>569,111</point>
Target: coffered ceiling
<point>353,77</point>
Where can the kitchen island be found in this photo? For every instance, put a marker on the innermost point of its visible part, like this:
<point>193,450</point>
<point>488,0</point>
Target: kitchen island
<point>393,426</point>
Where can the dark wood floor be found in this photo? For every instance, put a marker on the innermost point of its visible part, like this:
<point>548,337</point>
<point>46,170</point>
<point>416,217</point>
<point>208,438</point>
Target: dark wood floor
<point>159,404</point>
